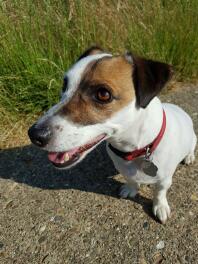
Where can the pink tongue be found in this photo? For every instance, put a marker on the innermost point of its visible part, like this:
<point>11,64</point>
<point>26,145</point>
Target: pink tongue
<point>56,157</point>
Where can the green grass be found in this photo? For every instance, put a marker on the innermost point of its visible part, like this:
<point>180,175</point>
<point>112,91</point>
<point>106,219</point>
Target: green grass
<point>40,39</point>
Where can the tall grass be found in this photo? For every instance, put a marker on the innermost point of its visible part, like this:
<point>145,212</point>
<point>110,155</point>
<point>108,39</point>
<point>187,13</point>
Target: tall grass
<point>40,39</point>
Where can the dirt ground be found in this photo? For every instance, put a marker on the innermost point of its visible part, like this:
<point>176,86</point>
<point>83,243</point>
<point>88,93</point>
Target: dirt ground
<point>55,217</point>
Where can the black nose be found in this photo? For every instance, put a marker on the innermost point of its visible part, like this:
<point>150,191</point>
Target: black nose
<point>39,136</point>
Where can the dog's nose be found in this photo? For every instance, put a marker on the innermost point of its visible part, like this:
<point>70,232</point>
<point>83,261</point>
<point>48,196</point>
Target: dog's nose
<point>39,136</point>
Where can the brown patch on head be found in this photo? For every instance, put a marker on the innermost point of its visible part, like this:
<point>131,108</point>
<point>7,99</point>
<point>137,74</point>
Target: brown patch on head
<point>115,75</point>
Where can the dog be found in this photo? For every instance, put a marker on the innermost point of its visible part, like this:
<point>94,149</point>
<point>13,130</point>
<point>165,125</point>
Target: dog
<point>114,98</point>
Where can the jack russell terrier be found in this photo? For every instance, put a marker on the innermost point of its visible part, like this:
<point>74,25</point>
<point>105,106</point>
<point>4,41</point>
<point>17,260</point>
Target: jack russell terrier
<point>113,98</point>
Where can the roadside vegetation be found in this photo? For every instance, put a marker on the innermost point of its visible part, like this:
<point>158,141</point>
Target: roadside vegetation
<point>40,39</point>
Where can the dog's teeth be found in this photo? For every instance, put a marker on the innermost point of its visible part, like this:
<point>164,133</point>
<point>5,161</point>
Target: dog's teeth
<point>66,158</point>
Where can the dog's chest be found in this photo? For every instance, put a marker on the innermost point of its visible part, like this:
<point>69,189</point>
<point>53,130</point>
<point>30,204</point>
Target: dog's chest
<point>132,170</point>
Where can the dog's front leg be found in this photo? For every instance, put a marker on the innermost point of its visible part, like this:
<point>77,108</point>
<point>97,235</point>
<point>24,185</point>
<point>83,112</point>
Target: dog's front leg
<point>130,189</point>
<point>161,207</point>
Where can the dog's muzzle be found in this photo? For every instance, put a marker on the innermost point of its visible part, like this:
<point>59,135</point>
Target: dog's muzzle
<point>40,135</point>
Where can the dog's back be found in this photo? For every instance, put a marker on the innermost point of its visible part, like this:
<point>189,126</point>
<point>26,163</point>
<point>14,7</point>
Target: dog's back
<point>180,134</point>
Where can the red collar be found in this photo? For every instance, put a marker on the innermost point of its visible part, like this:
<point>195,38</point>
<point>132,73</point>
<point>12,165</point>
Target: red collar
<point>147,151</point>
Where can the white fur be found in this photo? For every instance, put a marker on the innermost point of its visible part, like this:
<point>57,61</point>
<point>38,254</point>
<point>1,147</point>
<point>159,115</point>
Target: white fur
<point>177,144</point>
<point>138,128</point>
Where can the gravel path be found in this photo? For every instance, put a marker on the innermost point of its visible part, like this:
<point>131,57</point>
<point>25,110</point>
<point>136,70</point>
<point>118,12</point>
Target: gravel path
<point>55,217</point>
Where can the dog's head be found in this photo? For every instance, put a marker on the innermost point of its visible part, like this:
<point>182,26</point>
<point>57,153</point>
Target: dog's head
<point>99,95</point>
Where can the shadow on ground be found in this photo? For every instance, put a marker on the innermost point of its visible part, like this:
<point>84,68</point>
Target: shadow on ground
<point>29,165</point>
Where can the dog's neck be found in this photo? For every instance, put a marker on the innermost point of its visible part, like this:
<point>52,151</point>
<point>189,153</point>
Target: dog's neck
<point>141,127</point>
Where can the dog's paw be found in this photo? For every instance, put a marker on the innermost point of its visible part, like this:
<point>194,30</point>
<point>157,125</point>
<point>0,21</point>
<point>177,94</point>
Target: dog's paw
<point>161,211</point>
<point>189,159</point>
<point>127,191</point>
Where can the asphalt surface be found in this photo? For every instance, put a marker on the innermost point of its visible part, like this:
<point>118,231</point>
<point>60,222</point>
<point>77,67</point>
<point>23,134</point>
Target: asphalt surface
<point>52,216</point>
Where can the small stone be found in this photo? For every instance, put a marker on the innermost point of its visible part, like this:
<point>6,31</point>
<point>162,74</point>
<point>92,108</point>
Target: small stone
<point>42,239</point>
<point>194,197</point>
<point>146,225</point>
<point>42,229</point>
<point>52,219</point>
<point>191,213</point>
<point>56,218</point>
<point>160,245</point>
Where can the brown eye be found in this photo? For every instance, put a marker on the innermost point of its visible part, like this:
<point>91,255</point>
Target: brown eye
<point>103,95</point>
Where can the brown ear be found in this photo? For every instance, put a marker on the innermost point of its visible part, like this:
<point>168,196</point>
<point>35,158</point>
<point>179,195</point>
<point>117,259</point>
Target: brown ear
<point>149,77</point>
<point>91,51</point>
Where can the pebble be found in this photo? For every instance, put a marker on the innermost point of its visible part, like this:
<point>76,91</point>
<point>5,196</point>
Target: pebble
<point>194,197</point>
<point>160,245</point>
<point>42,239</point>
<point>42,229</point>
<point>146,225</point>
<point>56,218</point>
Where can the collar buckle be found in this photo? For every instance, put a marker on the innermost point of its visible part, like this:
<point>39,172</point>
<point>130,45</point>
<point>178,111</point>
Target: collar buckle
<point>148,153</point>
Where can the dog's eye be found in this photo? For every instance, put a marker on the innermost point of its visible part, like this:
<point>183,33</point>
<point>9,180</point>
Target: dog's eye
<point>103,95</point>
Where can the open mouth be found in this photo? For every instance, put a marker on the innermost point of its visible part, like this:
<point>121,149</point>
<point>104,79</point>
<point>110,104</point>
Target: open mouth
<point>68,158</point>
